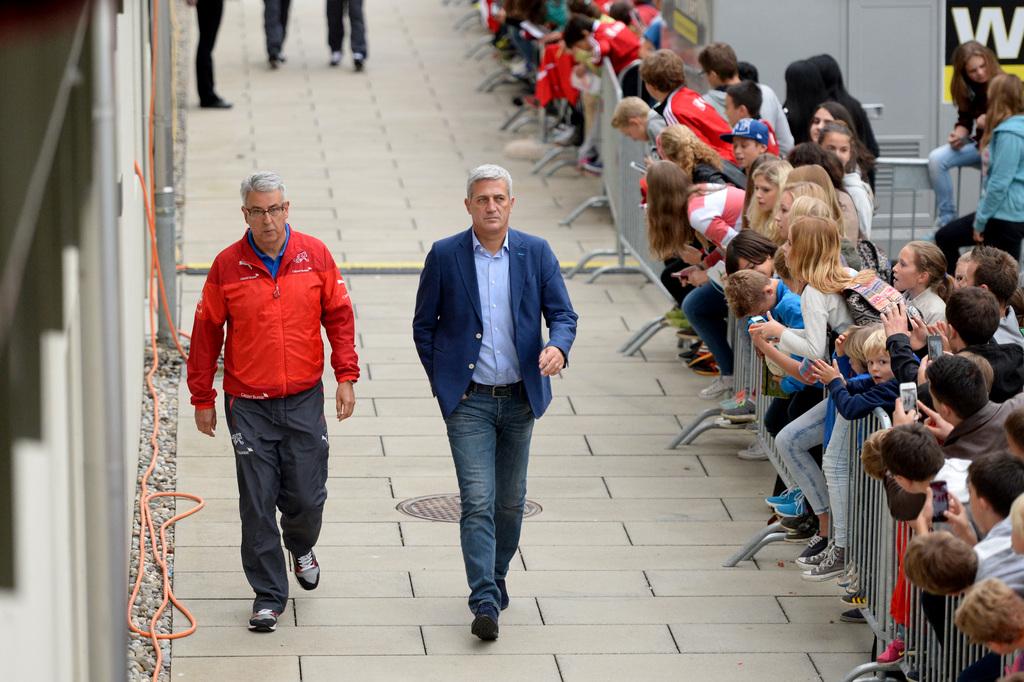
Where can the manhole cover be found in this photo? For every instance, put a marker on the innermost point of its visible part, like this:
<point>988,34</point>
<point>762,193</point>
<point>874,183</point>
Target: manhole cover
<point>447,507</point>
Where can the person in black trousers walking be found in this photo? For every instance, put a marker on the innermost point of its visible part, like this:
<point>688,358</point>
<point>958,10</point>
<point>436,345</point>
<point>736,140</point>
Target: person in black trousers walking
<point>336,10</point>
<point>209,13</point>
<point>275,26</point>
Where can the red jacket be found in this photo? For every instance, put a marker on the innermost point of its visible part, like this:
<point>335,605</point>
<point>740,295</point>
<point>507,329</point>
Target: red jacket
<point>686,107</point>
<point>616,42</point>
<point>274,347</point>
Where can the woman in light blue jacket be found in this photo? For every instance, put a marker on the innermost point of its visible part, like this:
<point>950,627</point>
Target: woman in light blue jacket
<point>999,221</point>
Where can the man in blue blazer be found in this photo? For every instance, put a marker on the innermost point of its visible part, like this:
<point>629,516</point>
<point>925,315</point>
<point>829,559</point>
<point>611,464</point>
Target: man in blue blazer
<point>479,305</point>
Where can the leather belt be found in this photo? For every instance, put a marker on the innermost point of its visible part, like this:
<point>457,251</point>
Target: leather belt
<point>506,391</point>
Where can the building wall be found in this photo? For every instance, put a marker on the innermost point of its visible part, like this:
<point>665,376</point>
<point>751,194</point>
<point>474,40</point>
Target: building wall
<point>60,617</point>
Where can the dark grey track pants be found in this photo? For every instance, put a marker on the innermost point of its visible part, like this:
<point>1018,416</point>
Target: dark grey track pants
<point>281,461</point>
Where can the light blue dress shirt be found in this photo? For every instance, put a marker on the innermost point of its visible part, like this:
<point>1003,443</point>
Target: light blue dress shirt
<point>498,363</point>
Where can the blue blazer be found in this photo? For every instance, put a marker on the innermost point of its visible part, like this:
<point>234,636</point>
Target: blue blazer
<point>448,329</point>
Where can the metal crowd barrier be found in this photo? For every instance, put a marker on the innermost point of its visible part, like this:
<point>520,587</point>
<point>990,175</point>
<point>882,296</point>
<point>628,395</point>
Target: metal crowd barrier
<point>746,364</point>
<point>773,532</point>
<point>902,214</point>
<point>621,156</point>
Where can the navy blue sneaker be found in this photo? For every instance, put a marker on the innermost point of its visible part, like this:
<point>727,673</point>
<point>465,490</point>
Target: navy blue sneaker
<point>485,625</point>
<point>500,582</point>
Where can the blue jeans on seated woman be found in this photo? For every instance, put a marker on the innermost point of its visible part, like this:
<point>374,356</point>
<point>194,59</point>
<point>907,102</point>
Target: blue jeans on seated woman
<point>490,443</point>
<point>940,161</point>
<point>708,313</point>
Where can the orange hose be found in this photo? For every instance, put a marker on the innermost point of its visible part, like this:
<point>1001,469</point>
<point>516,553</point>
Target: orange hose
<point>158,543</point>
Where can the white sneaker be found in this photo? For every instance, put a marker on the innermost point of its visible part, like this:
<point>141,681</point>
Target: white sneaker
<point>335,58</point>
<point>754,453</point>
<point>719,387</point>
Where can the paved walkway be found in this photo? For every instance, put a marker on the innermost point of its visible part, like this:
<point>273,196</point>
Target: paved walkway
<point>620,577</point>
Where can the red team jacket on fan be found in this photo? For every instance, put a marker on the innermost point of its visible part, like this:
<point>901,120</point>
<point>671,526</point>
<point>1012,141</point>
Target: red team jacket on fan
<point>274,347</point>
<point>616,42</point>
<point>554,76</point>
<point>687,107</point>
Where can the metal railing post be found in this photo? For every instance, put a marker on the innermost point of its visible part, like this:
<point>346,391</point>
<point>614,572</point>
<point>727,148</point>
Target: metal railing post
<point>166,252</point>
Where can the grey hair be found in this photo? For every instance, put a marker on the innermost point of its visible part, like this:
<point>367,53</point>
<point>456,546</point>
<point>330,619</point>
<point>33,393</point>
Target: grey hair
<point>262,181</point>
<point>488,171</point>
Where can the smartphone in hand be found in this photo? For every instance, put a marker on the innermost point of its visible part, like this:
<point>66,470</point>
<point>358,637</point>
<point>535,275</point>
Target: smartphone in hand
<point>940,501</point>
<point>756,319</point>
<point>908,396</point>
<point>934,347</point>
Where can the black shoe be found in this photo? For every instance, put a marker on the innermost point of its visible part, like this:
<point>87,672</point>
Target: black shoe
<point>263,620</point>
<point>357,61</point>
<point>307,570</point>
<point>215,103</point>
<point>485,625</point>
<point>852,616</point>
<point>275,62</point>
<point>800,528</point>
<point>693,351</point>
<point>500,582</point>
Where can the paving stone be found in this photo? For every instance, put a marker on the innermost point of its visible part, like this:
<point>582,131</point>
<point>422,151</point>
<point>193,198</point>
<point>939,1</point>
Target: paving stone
<point>688,487</point>
<point>540,445</point>
<point>691,533</point>
<point>236,669</point>
<point>227,613</point>
<point>435,668</point>
<point>540,488</point>
<point>533,639</point>
<point>633,610</point>
<point>675,667</point>
<point>734,582</point>
<point>418,611</point>
<point>717,638</point>
<point>232,585</point>
<point>534,533</point>
<point>625,558</point>
<point>540,584</point>
<point>229,534</point>
<point>307,641</point>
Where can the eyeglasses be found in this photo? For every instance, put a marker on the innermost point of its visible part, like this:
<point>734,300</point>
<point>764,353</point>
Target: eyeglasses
<point>274,211</point>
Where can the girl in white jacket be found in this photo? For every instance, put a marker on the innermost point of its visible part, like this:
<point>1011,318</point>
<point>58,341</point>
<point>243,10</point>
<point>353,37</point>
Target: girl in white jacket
<point>837,138</point>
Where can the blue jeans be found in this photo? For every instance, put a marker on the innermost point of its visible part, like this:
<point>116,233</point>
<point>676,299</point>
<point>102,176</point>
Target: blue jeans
<point>793,444</point>
<point>835,464</point>
<point>490,443</point>
<point>707,311</point>
<point>940,160</point>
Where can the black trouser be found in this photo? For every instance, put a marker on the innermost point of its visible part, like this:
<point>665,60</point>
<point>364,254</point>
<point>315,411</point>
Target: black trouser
<point>281,463</point>
<point>782,411</point>
<point>336,10</point>
<point>1005,235</point>
<point>673,284</point>
<point>209,13</point>
<point>275,25</point>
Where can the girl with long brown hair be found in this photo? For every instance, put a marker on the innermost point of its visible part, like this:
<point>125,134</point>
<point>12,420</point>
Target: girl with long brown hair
<point>974,65</point>
<point>678,213</point>
<point>999,221</point>
<point>920,274</point>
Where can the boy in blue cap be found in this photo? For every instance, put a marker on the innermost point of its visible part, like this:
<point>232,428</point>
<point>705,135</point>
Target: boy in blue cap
<point>749,138</point>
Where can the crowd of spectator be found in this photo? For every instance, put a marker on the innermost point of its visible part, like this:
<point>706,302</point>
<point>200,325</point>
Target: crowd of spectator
<point>762,210</point>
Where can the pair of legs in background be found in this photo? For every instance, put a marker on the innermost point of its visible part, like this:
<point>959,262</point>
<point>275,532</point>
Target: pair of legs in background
<point>281,450</point>
<point>489,438</point>
<point>336,11</point>
<point>1004,235</point>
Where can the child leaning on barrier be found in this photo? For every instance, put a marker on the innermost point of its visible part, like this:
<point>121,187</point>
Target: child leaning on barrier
<point>636,120</point>
<point>993,614</point>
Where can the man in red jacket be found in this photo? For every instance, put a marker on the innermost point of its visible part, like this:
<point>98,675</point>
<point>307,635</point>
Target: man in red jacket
<point>274,288</point>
